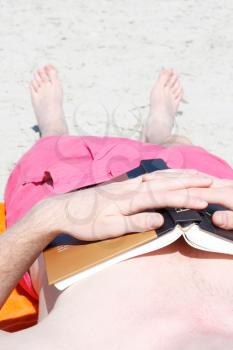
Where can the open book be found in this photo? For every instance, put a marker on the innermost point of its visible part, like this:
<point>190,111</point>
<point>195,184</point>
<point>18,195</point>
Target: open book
<point>68,260</point>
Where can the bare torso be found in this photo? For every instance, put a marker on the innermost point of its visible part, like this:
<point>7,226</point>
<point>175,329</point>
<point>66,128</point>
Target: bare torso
<point>166,298</point>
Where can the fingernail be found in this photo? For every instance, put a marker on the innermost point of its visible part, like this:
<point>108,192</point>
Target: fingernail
<point>156,220</point>
<point>220,219</point>
<point>206,177</point>
<point>203,203</point>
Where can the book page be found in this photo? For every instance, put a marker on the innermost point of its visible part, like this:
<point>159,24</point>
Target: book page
<point>207,241</point>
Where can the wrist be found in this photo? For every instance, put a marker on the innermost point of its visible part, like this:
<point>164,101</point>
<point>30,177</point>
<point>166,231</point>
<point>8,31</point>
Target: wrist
<point>67,210</point>
<point>41,220</point>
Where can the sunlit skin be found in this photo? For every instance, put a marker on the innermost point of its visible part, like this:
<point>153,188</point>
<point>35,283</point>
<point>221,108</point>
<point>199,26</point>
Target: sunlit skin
<point>174,298</point>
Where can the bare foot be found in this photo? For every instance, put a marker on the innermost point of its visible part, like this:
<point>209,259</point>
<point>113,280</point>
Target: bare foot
<point>164,102</point>
<point>47,98</point>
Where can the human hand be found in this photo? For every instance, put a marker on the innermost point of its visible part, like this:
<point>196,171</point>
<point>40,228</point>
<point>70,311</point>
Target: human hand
<point>220,192</point>
<point>111,210</point>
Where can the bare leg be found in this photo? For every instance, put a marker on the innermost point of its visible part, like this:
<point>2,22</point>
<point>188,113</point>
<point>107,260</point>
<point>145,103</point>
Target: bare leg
<point>47,97</point>
<point>177,140</point>
<point>165,99</point>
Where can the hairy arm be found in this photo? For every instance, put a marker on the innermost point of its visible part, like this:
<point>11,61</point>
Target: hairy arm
<point>21,245</point>
<point>101,212</point>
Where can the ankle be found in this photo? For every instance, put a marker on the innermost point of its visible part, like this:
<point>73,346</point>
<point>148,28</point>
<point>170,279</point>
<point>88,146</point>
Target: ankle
<point>52,130</point>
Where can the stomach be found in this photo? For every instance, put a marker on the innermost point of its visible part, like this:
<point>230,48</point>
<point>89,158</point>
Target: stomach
<point>177,287</point>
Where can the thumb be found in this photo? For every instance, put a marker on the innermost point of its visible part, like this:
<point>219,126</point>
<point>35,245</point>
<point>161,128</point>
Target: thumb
<point>144,222</point>
<point>223,219</point>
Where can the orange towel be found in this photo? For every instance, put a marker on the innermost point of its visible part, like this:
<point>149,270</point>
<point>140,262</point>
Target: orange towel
<point>20,310</point>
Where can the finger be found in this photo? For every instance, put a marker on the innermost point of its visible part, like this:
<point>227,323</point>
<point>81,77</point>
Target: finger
<point>221,182</point>
<point>141,222</point>
<point>131,188</point>
<point>217,182</point>
<point>215,195</point>
<point>171,173</point>
<point>176,183</point>
<point>161,199</point>
<point>223,219</point>
<point>125,181</point>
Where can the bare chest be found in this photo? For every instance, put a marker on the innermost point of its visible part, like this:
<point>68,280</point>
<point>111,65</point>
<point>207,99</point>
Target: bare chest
<point>177,282</point>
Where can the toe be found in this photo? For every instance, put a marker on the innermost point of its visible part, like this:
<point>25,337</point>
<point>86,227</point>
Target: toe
<point>179,94</point>
<point>51,72</point>
<point>50,66</point>
<point>33,86</point>
<point>176,86</point>
<point>37,79</point>
<point>35,83</point>
<point>43,75</point>
<point>164,76</point>
<point>172,80</point>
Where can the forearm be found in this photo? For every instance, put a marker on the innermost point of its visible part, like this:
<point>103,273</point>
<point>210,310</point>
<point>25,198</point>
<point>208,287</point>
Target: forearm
<point>22,244</point>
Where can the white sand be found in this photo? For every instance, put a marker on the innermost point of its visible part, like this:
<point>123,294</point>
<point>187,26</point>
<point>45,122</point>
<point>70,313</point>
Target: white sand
<point>108,53</point>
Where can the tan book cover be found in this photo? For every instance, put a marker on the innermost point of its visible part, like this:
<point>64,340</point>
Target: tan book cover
<point>65,260</point>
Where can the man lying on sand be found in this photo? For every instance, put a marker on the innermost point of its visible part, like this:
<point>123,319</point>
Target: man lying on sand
<point>174,298</point>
